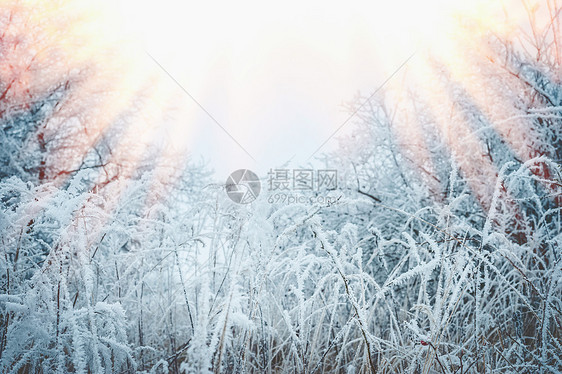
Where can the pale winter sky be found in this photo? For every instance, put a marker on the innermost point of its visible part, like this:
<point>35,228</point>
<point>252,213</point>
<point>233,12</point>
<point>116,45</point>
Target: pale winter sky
<point>274,74</point>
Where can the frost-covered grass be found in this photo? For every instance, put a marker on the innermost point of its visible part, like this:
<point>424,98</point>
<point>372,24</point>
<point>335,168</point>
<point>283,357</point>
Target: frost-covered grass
<point>445,260</point>
<point>307,289</point>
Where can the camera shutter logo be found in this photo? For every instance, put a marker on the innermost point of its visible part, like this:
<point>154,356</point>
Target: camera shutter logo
<point>243,186</point>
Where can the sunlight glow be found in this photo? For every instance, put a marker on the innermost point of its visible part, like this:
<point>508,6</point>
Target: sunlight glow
<point>263,68</point>
<point>273,74</point>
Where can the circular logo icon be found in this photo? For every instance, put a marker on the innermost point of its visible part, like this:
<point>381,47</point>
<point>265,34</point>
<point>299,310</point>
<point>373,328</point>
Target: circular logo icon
<point>243,186</point>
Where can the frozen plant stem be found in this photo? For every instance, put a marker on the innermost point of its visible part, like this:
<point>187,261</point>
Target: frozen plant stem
<point>353,303</point>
